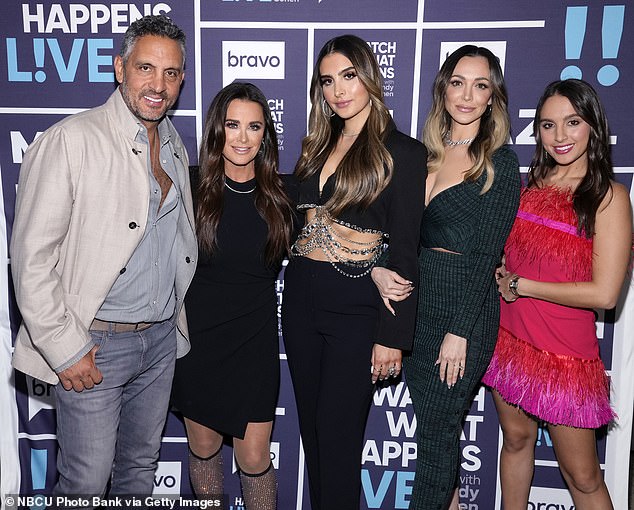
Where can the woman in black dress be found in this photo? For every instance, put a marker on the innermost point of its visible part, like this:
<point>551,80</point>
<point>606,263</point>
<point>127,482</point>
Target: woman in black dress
<point>360,183</point>
<point>228,383</point>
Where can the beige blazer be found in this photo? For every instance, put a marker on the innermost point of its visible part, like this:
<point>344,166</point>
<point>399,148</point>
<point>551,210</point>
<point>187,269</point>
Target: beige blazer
<point>82,202</point>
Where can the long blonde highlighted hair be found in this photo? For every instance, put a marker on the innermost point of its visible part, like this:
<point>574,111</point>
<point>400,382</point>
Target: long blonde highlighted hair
<point>495,125</point>
<point>366,169</point>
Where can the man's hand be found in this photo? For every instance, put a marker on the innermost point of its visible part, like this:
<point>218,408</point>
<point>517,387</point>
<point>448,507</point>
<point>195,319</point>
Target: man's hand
<point>82,375</point>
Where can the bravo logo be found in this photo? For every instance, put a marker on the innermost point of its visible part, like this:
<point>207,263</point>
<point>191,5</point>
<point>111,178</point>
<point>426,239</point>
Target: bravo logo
<point>247,60</point>
<point>40,396</point>
<point>167,479</point>
<point>542,498</point>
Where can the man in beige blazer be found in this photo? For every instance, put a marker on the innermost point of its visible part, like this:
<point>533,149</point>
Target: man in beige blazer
<point>103,250</point>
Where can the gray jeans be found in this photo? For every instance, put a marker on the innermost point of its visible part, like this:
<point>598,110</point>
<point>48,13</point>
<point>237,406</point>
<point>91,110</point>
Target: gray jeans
<point>113,431</point>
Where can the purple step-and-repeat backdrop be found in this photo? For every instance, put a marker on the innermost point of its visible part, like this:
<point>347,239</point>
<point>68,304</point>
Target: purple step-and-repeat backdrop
<point>56,59</point>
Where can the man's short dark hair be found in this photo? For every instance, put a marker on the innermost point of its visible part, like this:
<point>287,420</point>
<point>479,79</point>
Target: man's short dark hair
<point>159,25</point>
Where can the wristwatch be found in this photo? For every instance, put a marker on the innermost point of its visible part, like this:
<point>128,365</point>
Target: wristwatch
<point>513,283</point>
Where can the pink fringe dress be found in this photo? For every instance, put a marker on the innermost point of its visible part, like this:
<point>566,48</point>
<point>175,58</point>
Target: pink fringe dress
<point>546,359</point>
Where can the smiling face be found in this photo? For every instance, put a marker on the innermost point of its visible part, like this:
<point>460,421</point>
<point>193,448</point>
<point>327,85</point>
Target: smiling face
<point>563,133</point>
<point>244,131</point>
<point>343,90</point>
<point>151,77</point>
<point>468,93</point>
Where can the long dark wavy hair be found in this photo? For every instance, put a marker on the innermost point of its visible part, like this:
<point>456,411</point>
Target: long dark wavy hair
<point>595,185</point>
<point>270,199</point>
<point>495,125</point>
<point>366,169</point>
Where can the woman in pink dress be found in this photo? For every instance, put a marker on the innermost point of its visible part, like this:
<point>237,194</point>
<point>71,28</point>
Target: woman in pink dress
<point>568,253</point>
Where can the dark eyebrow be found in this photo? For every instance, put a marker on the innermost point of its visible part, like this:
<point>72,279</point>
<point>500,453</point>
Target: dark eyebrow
<point>346,70</point>
<point>343,71</point>
<point>250,122</point>
<point>140,63</point>
<point>479,78</point>
<point>567,117</point>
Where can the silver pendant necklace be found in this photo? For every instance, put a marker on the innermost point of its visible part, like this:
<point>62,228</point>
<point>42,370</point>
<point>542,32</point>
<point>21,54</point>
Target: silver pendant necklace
<point>238,191</point>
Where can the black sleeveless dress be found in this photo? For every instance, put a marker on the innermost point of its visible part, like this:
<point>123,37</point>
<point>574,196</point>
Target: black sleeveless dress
<point>231,375</point>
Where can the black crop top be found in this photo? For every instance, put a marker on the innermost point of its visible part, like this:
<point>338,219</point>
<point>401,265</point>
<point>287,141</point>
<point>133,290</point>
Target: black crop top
<point>397,213</point>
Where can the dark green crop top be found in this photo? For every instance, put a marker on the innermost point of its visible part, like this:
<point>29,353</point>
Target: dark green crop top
<point>462,220</point>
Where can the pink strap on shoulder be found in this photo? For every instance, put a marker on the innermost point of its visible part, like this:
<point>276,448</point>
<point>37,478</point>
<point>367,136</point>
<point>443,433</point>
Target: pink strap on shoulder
<point>557,225</point>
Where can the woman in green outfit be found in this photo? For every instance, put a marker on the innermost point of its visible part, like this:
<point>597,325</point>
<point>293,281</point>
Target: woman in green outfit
<point>472,196</point>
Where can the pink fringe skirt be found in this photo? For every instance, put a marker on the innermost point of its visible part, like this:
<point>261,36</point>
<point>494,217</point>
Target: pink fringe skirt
<point>558,389</point>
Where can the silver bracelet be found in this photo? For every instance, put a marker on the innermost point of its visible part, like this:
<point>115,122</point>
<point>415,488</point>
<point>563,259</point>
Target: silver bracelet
<point>513,285</point>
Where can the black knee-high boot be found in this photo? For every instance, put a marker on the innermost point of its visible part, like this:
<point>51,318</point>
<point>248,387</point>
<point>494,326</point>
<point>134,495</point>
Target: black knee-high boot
<point>206,474</point>
<point>259,490</point>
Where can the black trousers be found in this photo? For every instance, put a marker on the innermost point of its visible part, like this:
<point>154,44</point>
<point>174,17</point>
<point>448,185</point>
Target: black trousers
<point>328,322</point>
